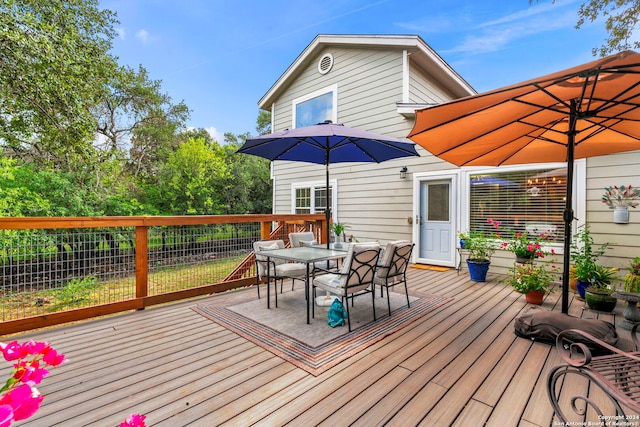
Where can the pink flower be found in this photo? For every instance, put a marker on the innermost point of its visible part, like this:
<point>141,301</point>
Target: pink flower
<point>30,372</point>
<point>52,357</point>
<point>6,415</point>
<point>13,351</point>
<point>134,420</point>
<point>24,401</point>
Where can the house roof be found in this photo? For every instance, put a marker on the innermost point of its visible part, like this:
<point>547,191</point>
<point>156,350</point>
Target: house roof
<point>421,53</point>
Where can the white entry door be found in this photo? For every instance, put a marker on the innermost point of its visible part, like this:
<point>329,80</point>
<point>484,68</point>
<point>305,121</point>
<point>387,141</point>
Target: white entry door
<point>435,222</point>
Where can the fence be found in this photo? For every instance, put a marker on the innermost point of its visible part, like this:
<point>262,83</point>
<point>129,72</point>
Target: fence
<point>57,270</point>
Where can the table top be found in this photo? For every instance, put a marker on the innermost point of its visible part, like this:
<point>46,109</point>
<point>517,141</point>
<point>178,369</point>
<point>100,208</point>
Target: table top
<point>306,254</point>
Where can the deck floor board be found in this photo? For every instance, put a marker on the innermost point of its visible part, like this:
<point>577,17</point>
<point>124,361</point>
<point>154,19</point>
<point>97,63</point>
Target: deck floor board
<point>459,364</point>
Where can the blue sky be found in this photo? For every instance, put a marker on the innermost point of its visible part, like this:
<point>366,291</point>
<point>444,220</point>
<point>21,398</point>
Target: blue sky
<point>221,56</point>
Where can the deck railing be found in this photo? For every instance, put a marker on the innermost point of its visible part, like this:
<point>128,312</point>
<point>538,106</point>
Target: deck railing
<point>58,270</point>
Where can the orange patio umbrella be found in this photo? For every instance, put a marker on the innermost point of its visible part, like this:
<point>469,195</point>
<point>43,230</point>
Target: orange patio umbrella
<point>584,111</point>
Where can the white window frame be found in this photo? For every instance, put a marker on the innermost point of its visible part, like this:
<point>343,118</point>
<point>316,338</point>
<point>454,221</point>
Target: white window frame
<point>333,184</point>
<point>579,189</point>
<point>333,89</point>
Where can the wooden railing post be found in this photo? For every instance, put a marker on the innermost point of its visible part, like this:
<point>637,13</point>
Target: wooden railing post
<point>142,262</point>
<point>265,230</point>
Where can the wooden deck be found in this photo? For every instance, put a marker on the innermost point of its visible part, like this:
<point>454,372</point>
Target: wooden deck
<point>458,365</point>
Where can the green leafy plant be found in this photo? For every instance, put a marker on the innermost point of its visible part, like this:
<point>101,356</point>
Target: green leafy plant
<point>482,245</point>
<point>632,278</point>
<point>76,290</point>
<point>601,279</point>
<point>532,277</point>
<point>339,229</point>
<point>584,254</point>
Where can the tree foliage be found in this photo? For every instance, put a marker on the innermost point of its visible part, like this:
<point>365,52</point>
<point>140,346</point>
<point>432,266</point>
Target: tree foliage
<point>621,21</point>
<point>53,62</point>
<point>81,135</point>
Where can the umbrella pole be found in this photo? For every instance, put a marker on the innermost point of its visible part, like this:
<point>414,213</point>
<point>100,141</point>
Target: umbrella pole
<point>327,206</point>
<point>568,210</point>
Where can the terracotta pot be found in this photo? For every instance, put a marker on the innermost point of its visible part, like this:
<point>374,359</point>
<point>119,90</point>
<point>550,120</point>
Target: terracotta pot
<point>534,297</point>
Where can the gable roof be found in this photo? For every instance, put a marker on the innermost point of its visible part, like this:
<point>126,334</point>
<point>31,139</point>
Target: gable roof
<point>421,53</point>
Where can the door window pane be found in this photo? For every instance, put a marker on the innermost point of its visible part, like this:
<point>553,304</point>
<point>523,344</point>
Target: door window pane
<point>438,202</point>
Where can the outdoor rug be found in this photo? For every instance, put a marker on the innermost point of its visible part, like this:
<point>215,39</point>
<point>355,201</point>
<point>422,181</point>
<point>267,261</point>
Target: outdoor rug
<point>317,346</point>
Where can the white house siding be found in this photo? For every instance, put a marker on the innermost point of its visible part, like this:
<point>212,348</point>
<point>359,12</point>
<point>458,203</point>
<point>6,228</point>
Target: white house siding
<point>604,171</point>
<point>371,197</point>
<point>422,88</point>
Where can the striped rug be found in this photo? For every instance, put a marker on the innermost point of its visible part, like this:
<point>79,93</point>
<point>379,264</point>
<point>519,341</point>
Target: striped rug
<point>316,347</point>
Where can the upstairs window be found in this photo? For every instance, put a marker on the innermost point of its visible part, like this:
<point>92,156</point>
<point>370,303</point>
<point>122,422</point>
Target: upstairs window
<point>316,107</point>
<point>530,201</point>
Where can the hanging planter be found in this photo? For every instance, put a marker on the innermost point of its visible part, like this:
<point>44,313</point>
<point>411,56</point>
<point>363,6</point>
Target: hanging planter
<point>620,199</point>
<point>621,215</point>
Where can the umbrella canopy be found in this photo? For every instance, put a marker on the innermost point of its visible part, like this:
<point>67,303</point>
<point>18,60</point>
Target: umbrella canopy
<point>584,111</point>
<point>327,143</point>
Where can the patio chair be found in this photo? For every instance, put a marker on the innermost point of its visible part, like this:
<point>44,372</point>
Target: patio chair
<point>616,373</point>
<point>307,238</point>
<point>392,268</point>
<point>278,269</point>
<point>354,278</point>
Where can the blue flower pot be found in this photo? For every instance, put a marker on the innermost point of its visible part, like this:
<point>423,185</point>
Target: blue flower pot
<point>463,244</point>
<point>478,270</point>
<point>581,287</point>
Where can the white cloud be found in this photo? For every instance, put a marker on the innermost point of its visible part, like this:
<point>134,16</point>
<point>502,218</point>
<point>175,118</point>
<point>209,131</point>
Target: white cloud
<point>215,134</point>
<point>121,33</point>
<point>143,36</point>
<point>495,35</point>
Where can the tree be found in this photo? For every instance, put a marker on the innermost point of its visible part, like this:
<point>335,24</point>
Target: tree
<point>249,188</point>
<point>621,22</point>
<point>53,63</point>
<point>192,180</point>
<point>263,122</point>
<point>136,114</point>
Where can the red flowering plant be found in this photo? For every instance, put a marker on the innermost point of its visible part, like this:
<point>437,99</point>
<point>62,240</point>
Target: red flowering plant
<point>20,398</point>
<point>526,246</point>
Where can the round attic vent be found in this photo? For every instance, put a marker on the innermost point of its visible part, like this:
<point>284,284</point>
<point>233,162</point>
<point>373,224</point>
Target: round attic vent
<point>325,63</point>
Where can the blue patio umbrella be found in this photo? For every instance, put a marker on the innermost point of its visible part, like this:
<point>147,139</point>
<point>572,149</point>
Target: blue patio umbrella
<point>326,143</point>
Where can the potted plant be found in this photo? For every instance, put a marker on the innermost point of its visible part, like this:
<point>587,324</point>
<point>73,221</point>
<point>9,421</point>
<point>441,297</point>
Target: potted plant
<point>339,229</point>
<point>533,280</point>
<point>620,199</point>
<point>464,238</point>
<point>525,247</point>
<point>632,278</point>
<point>598,294</point>
<point>481,246</point>
<point>584,255</point>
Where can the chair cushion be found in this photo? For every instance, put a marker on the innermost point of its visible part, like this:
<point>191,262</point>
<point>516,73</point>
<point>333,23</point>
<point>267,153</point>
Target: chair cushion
<point>308,242</point>
<point>296,238</point>
<point>386,257</point>
<point>270,247</point>
<point>291,269</point>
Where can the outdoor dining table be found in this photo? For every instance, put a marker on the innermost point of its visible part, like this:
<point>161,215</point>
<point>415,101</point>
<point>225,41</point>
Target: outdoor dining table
<point>306,255</point>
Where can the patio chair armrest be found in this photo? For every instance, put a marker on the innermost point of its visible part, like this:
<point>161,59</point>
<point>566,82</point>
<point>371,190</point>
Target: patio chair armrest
<point>572,346</point>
